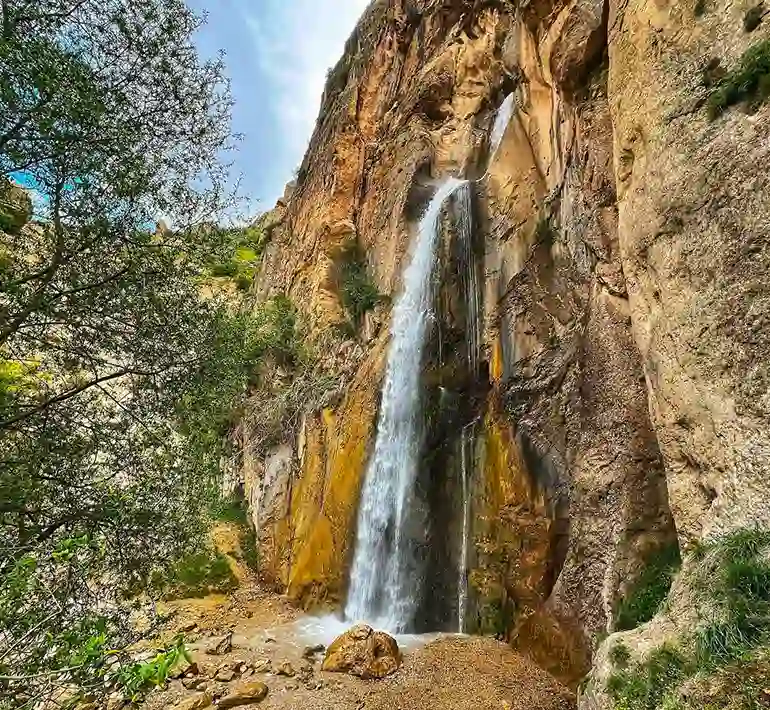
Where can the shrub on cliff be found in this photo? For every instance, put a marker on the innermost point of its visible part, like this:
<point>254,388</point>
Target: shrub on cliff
<point>748,82</point>
<point>117,378</point>
<point>358,291</point>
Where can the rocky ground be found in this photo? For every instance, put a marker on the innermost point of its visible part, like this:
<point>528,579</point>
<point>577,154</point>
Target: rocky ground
<point>246,653</point>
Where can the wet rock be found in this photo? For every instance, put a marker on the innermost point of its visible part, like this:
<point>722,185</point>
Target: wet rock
<point>220,645</point>
<point>246,694</point>
<point>286,669</point>
<point>363,652</point>
<point>198,702</point>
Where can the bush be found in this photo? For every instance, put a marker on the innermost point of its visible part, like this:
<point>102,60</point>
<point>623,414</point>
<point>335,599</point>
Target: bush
<point>749,82</point>
<point>359,294</point>
<point>136,679</point>
<point>197,575</point>
<point>644,598</point>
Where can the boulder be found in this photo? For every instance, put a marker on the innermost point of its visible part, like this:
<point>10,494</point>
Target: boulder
<point>245,694</point>
<point>363,652</point>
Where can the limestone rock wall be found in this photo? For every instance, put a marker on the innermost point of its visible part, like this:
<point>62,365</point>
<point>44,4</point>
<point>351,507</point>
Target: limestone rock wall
<point>623,398</point>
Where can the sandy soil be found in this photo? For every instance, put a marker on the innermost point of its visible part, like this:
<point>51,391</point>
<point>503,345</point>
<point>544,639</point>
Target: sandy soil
<point>447,673</point>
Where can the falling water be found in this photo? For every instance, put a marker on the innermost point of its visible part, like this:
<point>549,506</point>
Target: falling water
<point>466,454</point>
<point>384,577</point>
<point>464,199</point>
<point>502,119</point>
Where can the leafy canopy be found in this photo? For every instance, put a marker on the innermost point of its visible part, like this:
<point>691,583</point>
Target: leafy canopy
<point>119,371</point>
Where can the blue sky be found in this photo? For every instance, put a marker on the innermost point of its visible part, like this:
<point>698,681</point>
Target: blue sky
<point>277,55</point>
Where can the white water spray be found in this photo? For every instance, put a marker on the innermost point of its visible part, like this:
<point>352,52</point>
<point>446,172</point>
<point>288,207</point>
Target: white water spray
<point>384,579</point>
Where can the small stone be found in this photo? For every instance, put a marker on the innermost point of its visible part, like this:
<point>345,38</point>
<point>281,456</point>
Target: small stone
<point>116,701</point>
<point>286,669</point>
<point>194,683</point>
<point>262,665</point>
<point>198,702</point>
<point>245,694</point>
<point>311,651</point>
<point>192,626</point>
<point>242,668</point>
<point>220,645</point>
<point>185,668</point>
<point>224,675</point>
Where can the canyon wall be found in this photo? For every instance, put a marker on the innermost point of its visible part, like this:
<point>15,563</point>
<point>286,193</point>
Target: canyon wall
<point>621,395</point>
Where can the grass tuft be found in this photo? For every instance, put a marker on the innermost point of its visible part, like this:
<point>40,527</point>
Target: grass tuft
<point>749,82</point>
<point>735,634</point>
<point>643,600</point>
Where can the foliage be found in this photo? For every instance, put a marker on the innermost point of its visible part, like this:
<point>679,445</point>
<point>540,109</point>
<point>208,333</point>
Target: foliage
<point>196,575</point>
<point>117,377</point>
<point>249,548</point>
<point>731,640</point>
<point>644,598</point>
<point>243,254</point>
<point>135,679</point>
<point>359,294</point>
<point>647,686</point>
<point>233,509</point>
<point>620,655</point>
<point>749,82</point>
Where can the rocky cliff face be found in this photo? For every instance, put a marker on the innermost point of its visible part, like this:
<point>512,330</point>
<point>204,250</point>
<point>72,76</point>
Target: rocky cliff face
<point>621,396</point>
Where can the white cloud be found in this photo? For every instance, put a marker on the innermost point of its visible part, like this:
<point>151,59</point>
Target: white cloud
<point>294,45</point>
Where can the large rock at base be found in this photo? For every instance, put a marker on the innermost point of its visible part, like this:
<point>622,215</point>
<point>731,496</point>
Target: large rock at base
<point>363,652</point>
<point>246,694</point>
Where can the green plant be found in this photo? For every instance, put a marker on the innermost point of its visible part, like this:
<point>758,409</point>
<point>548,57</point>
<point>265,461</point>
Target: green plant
<point>730,577</point>
<point>233,509</point>
<point>359,294</point>
<point>650,684</point>
<point>249,548</point>
<point>197,575</point>
<point>134,680</point>
<point>620,655</point>
<point>644,598</point>
<point>749,82</point>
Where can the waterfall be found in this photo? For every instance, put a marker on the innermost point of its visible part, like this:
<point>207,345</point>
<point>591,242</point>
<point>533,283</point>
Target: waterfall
<point>502,119</point>
<point>464,203</point>
<point>466,454</point>
<point>385,576</point>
